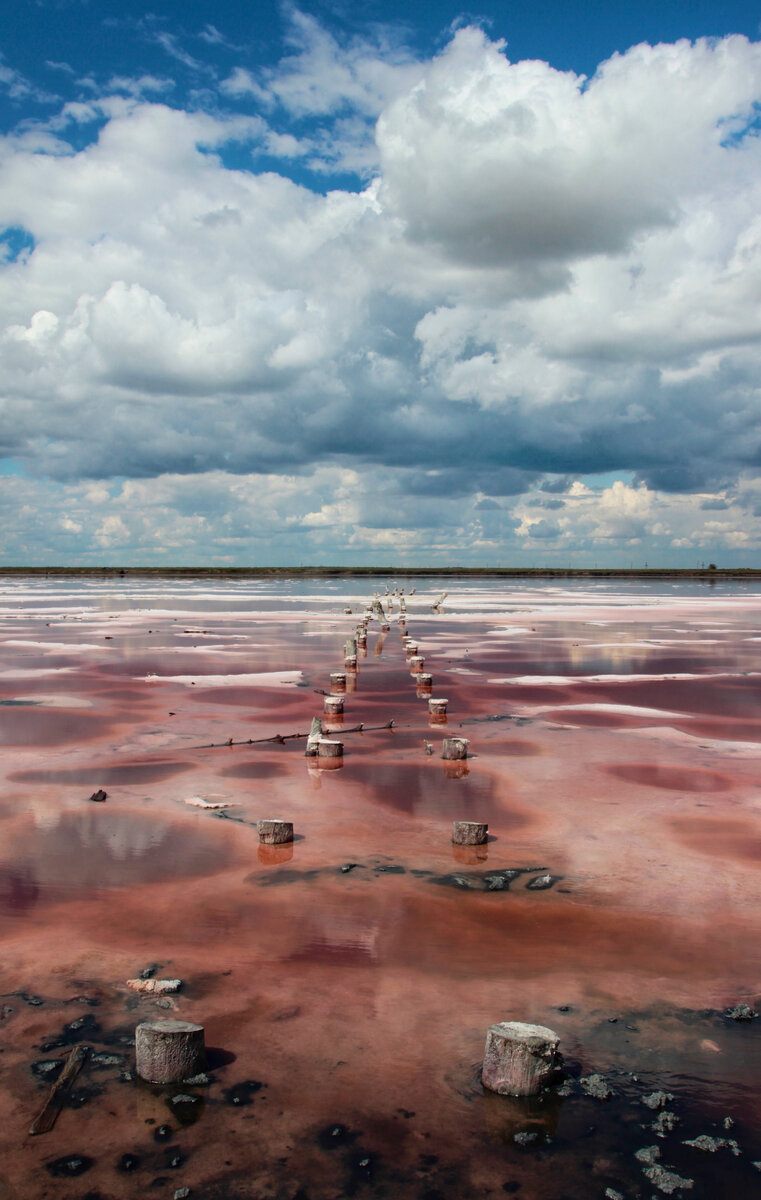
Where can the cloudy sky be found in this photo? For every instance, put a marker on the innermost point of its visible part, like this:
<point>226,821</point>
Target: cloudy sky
<point>339,283</point>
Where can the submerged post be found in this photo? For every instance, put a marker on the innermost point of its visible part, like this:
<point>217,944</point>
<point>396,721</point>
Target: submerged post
<point>518,1058</point>
<point>169,1051</point>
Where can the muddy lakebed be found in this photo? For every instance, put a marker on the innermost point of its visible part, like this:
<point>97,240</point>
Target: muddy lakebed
<point>346,980</point>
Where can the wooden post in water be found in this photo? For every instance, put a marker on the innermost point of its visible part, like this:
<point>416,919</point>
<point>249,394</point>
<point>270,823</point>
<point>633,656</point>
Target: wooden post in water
<point>329,748</point>
<point>455,748</point>
<point>519,1058</point>
<point>169,1051</point>
<point>333,705</point>
<point>437,707</point>
<point>338,680</point>
<point>470,833</point>
<point>273,831</point>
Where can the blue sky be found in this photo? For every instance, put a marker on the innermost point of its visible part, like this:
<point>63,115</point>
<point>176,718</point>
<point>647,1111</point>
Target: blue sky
<point>380,283</point>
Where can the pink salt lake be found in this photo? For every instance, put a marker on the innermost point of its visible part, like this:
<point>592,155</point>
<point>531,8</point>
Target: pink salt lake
<point>615,742</point>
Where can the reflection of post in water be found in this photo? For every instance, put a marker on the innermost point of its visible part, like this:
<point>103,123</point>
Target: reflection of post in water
<point>455,770</point>
<point>272,856</point>
<point>470,856</point>
<point>379,645</point>
<point>504,1116</point>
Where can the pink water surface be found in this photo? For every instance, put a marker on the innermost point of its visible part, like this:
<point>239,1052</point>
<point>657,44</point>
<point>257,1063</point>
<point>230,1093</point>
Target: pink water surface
<point>615,743</point>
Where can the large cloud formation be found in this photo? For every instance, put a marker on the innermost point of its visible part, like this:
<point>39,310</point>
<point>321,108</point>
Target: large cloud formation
<point>544,277</point>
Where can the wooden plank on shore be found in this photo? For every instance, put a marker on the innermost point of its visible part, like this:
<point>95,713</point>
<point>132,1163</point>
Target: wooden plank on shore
<point>46,1118</point>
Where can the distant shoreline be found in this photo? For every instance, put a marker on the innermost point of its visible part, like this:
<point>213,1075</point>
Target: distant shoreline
<point>392,572</point>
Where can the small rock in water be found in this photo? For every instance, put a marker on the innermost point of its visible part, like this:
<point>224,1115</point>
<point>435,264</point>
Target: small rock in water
<point>348,867</point>
<point>181,1193</point>
<point>657,1100</point>
<point>128,1162</point>
<point>596,1086</point>
<point>542,882</point>
<point>728,1123</point>
<point>612,1194</point>
<point>667,1182</point>
<point>163,1133</point>
<point>526,1139</point>
<point>648,1154</point>
<point>741,1012</point>
<point>149,972</point>
<point>665,1123</point>
<point>99,796</point>
<point>198,1080</point>
<point>70,1165</point>
<point>709,1145</point>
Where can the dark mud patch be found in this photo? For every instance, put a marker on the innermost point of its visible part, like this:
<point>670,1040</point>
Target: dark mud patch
<point>113,775</point>
<point>675,779</point>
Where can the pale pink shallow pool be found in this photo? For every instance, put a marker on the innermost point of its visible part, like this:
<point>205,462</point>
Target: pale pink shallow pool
<point>615,734</point>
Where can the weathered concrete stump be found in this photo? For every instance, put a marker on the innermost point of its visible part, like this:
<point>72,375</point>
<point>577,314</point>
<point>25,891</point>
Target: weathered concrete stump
<point>518,1058</point>
<point>437,707</point>
<point>470,833</point>
<point>315,733</point>
<point>274,832</point>
<point>333,705</point>
<point>169,1051</point>
<point>327,748</point>
<point>338,680</point>
<point>455,748</point>
<point>415,662</point>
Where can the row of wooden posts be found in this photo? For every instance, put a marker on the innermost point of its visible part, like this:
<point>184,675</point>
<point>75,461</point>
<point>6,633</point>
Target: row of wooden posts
<point>519,1058</point>
<point>275,832</point>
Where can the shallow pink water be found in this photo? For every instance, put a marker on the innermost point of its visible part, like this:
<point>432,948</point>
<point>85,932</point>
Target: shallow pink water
<point>361,997</point>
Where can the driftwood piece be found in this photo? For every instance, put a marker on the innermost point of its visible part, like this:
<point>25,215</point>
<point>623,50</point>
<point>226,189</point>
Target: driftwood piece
<point>46,1118</point>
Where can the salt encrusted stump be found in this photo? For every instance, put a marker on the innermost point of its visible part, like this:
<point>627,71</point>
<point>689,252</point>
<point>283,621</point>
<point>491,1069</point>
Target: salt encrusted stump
<point>169,1051</point>
<point>274,832</point>
<point>518,1058</point>
<point>411,648</point>
<point>415,662</point>
<point>327,748</point>
<point>333,705</point>
<point>350,662</point>
<point>338,680</point>
<point>455,748</point>
<point>437,708</point>
<point>315,733</point>
<point>424,680</point>
<point>469,833</point>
